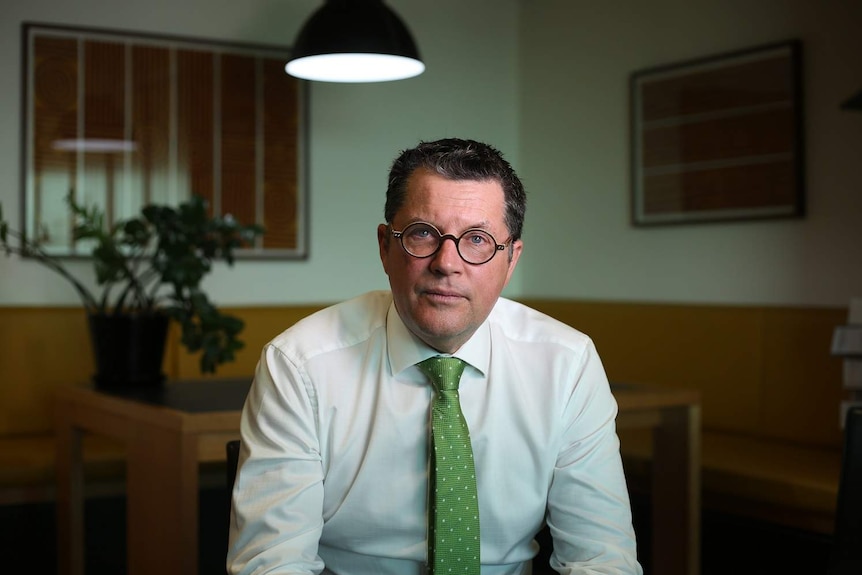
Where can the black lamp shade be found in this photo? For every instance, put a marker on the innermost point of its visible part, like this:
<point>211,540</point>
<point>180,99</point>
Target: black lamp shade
<point>354,41</point>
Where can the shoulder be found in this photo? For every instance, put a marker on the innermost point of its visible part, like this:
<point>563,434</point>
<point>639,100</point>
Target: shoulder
<point>520,323</point>
<point>339,326</point>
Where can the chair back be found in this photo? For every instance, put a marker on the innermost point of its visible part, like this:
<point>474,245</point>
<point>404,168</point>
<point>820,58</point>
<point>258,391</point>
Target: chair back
<point>232,449</point>
<point>846,557</point>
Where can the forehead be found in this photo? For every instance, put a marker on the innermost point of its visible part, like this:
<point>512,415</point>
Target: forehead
<point>433,197</point>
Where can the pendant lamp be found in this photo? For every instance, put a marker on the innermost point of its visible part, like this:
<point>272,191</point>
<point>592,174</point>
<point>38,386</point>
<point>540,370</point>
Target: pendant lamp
<point>354,41</point>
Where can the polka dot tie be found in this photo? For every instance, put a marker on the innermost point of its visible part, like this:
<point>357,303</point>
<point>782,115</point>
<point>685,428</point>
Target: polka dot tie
<point>453,516</point>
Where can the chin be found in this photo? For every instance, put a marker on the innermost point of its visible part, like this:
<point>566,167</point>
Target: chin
<point>438,323</point>
<point>442,338</point>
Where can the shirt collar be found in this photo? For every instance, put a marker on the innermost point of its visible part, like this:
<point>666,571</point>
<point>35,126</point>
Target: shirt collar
<point>406,350</point>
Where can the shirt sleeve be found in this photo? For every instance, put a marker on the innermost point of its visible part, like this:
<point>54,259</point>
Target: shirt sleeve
<point>589,513</point>
<point>276,516</point>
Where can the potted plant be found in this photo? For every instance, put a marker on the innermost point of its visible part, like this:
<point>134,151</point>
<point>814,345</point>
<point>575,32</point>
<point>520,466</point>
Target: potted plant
<point>149,269</point>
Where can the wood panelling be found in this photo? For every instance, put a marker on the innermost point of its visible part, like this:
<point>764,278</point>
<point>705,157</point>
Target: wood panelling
<point>762,371</point>
<point>261,325</point>
<point>801,379</point>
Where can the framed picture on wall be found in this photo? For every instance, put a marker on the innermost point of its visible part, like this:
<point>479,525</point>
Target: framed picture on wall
<point>120,120</point>
<point>719,138</point>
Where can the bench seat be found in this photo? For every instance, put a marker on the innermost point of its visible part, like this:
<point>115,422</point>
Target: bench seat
<point>27,467</point>
<point>771,480</point>
<point>27,472</point>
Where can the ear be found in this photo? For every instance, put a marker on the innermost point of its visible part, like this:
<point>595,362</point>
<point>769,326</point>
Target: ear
<point>517,248</point>
<point>383,241</point>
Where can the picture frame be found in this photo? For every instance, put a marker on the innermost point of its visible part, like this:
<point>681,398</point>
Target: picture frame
<point>122,119</point>
<point>719,138</point>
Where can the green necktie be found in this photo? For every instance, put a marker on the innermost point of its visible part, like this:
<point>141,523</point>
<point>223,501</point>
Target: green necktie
<point>453,517</point>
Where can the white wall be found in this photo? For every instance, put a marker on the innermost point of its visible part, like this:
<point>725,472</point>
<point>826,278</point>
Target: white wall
<point>547,82</point>
<point>574,137</point>
<point>469,90</point>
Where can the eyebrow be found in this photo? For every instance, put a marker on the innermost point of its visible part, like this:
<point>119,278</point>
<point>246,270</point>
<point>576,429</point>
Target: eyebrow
<point>485,225</point>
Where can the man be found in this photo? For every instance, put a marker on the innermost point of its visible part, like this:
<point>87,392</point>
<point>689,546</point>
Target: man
<point>334,471</point>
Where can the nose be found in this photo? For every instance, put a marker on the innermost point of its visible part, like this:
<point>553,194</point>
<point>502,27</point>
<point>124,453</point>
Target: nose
<point>447,259</point>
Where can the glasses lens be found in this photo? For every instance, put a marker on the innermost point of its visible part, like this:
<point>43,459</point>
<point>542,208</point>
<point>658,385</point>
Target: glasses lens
<point>423,240</point>
<point>420,239</point>
<point>476,246</point>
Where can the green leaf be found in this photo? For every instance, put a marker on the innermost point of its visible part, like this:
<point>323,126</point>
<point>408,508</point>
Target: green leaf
<point>162,255</point>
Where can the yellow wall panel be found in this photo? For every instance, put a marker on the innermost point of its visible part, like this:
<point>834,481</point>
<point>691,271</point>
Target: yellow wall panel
<point>41,349</point>
<point>802,380</point>
<point>715,349</point>
<point>761,371</point>
<point>261,325</point>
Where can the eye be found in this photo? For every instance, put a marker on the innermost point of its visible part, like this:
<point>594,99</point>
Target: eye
<point>477,238</point>
<point>420,232</point>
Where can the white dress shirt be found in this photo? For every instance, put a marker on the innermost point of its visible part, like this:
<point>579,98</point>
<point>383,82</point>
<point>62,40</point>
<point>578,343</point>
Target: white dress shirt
<point>334,464</point>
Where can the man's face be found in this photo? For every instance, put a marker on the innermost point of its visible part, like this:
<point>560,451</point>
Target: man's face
<point>442,299</point>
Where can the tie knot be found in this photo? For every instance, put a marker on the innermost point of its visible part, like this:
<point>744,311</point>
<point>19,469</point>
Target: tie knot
<point>444,372</point>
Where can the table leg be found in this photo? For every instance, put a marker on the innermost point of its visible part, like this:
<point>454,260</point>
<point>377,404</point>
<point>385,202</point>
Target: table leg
<point>162,483</point>
<point>676,492</point>
<point>69,469</point>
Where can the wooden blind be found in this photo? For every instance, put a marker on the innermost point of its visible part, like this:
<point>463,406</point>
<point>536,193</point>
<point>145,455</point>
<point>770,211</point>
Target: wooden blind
<point>125,120</point>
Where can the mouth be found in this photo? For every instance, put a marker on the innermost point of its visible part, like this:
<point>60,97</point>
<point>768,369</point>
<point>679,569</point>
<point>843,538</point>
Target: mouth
<point>442,296</point>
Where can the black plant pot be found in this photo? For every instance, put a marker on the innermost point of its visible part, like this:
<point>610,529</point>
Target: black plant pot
<point>128,350</point>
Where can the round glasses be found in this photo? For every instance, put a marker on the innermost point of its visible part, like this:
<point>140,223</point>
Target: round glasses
<point>475,246</point>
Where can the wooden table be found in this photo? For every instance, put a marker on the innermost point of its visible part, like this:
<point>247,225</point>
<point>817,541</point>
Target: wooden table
<point>168,432</point>
<point>674,417</point>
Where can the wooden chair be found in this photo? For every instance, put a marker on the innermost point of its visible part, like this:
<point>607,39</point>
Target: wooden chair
<point>232,449</point>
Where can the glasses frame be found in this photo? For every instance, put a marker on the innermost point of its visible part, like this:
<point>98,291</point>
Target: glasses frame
<point>399,235</point>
